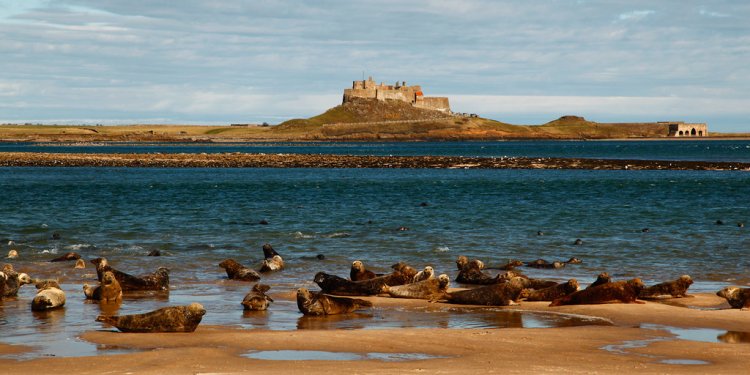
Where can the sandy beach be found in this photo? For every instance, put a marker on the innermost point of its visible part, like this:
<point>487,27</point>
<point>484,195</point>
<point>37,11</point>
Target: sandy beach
<point>625,346</point>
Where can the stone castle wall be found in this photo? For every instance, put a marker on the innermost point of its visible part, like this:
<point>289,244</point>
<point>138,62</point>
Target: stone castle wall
<point>413,95</point>
<point>681,129</point>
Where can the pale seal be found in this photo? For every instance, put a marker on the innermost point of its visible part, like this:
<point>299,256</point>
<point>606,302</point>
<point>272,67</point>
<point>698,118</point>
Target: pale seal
<point>48,296</point>
<point>13,281</point>
<point>236,271</point>
<point>613,292</point>
<point>427,273</point>
<point>257,300</point>
<point>431,289</point>
<point>310,303</point>
<point>167,319</point>
<point>275,263</point>
<point>12,254</point>
<point>738,298</point>
<point>80,264</point>
<point>676,289</point>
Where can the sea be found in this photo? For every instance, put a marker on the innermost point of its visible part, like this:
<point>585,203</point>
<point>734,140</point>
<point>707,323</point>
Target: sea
<point>656,225</point>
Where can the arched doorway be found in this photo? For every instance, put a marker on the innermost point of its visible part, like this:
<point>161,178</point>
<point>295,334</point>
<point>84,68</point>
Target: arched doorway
<point>700,133</point>
<point>692,132</point>
<point>680,133</point>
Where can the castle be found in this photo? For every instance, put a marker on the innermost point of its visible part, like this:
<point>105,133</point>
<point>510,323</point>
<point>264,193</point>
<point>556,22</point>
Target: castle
<point>681,129</point>
<point>409,94</point>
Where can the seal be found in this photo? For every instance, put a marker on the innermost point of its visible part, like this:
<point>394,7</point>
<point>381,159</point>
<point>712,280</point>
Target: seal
<point>471,273</point>
<point>553,292</point>
<point>275,263</point>
<point>108,291</point>
<point>66,257</point>
<point>257,300</point>
<point>80,264</point>
<point>529,283</point>
<point>676,289</point>
<point>154,253</point>
<point>430,289</point>
<point>406,270</point>
<point>359,273</point>
<point>427,273</point>
<point>48,296</point>
<point>13,281</point>
<point>738,298</point>
<point>159,280</point>
<point>167,319</point>
<point>311,303</point>
<point>236,271</point>
<point>505,294</point>
<point>541,263</point>
<point>332,284</point>
<point>268,251</point>
<point>511,265</point>
<point>12,254</point>
<point>613,292</point>
<point>602,278</point>
<point>3,280</point>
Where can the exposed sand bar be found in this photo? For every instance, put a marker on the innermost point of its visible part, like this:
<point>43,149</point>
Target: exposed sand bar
<point>621,348</point>
<point>242,160</point>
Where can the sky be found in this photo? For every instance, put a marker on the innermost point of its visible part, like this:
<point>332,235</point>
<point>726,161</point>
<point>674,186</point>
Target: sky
<point>522,62</point>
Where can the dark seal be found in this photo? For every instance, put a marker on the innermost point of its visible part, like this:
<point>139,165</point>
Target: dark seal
<point>505,294</point>
<point>311,303</point>
<point>602,278</point>
<point>236,271</point>
<point>676,289</point>
<point>159,280</point>
<point>554,292</point>
<point>67,257</point>
<point>738,298</point>
<point>167,319</point>
<point>613,292</point>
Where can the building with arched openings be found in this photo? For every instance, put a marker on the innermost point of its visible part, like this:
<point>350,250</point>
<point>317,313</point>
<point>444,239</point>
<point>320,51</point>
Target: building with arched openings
<point>681,129</point>
<point>400,91</point>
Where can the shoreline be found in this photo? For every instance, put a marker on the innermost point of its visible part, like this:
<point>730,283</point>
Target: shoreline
<point>245,160</point>
<point>639,340</point>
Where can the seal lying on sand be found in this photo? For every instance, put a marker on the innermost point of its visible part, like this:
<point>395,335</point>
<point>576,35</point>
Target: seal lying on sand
<point>310,303</point>
<point>602,278</point>
<point>257,299</point>
<point>159,280</point>
<point>677,288</point>
<point>236,271</point>
<point>554,292</point>
<point>471,273</point>
<point>13,281</point>
<point>529,283</point>
<point>333,284</point>
<point>505,294</point>
<point>427,273</point>
<point>48,296</point>
<point>406,270</point>
<point>108,291</point>
<point>167,319</point>
<point>359,273</point>
<point>614,292</point>
<point>431,289</point>
<point>66,257</point>
<point>272,260</point>
<point>738,298</point>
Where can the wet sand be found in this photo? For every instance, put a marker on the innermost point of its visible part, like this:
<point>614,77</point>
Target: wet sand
<point>622,347</point>
<point>242,160</point>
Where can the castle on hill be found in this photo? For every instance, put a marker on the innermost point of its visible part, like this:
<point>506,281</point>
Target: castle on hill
<point>410,94</point>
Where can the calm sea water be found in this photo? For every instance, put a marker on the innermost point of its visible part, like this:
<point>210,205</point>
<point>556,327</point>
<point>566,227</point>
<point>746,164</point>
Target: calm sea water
<point>704,150</point>
<point>198,217</point>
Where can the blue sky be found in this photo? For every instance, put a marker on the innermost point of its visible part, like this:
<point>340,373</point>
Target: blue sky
<point>523,62</point>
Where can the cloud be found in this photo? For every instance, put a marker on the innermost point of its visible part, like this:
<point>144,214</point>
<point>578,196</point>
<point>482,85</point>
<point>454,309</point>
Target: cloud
<point>635,15</point>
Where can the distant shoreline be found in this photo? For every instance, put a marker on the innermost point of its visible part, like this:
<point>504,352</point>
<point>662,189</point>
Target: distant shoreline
<point>247,160</point>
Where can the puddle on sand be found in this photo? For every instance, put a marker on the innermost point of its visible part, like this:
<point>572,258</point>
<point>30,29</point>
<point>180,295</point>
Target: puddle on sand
<point>316,355</point>
<point>684,362</point>
<point>703,334</point>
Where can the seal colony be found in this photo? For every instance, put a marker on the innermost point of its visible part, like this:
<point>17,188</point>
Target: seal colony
<point>37,159</point>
